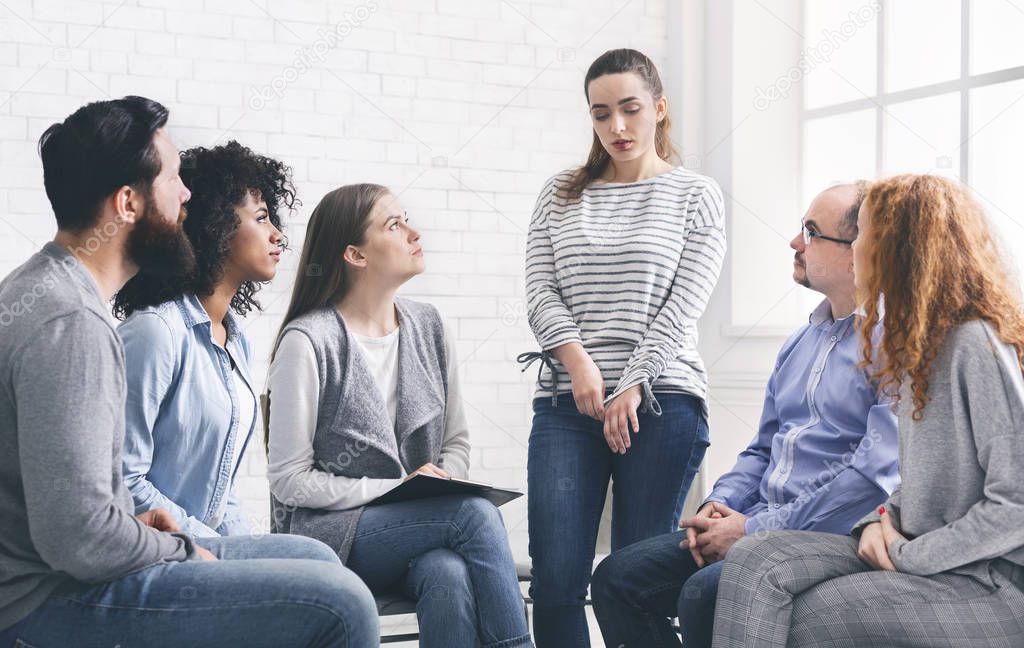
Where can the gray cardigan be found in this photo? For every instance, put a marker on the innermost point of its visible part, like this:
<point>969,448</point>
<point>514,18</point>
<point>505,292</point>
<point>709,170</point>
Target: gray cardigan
<point>961,501</point>
<point>354,436</point>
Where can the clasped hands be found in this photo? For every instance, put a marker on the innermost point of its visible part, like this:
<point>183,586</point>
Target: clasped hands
<point>161,520</point>
<point>716,527</point>
<point>711,532</point>
<point>876,539</point>
<point>620,416</point>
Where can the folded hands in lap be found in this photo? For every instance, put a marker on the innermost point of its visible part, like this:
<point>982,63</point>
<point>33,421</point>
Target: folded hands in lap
<point>711,532</point>
<point>876,540</point>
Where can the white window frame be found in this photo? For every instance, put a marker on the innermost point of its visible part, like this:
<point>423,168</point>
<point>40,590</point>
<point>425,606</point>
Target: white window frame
<point>882,99</point>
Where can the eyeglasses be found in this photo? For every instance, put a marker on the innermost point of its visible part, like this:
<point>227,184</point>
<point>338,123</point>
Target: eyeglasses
<point>811,234</point>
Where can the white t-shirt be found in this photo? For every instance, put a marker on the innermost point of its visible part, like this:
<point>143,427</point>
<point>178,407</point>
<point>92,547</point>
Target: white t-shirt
<point>294,383</point>
<point>381,354</point>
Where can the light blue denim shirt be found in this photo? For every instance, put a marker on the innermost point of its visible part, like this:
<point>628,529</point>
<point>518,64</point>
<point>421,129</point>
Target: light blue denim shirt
<point>182,415</point>
<point>826,450</point>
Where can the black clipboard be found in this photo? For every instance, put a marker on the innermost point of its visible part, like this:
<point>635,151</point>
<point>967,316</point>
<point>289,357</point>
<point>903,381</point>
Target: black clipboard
<point>423,486</point>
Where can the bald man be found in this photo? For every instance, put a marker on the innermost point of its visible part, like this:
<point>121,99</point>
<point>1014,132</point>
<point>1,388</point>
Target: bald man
<point>825,454</point>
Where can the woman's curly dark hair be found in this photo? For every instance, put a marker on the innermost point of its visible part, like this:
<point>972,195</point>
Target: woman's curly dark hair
<point>219,179</point>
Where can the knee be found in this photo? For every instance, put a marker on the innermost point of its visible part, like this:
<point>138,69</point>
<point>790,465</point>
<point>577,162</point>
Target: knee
<point>606,585</point>
<point>559,582</point>
<point>303,548</point>
<point>765,549</point>
<point>352,607</point>
<point>479,513</point>
<point>754,549</point>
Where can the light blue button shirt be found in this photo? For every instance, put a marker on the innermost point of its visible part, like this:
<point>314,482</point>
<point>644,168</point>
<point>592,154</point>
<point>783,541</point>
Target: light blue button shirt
<point>826,450</point>
<point>182,415</point>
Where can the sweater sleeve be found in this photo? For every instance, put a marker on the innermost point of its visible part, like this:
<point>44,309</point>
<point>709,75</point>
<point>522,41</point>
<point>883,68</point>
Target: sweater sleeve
<point>990,385</point>
<point>549,317</point>
<point>455,447</point>
<point>696,275</point>
<point>892,506</point>
<point>69,407</point>
<point>294,396</point>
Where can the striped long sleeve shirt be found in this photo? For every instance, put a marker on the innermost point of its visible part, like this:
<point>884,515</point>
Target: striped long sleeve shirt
<point>626,270</point>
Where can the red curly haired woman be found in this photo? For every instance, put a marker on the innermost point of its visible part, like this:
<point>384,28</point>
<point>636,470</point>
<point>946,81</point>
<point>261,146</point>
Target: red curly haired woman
<point>942,562</point>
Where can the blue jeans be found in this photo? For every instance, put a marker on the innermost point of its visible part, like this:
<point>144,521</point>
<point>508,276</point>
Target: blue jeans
<point>637,590</point>
<point>451,554</point>
<point>569,465</point>
<point>274,590</point>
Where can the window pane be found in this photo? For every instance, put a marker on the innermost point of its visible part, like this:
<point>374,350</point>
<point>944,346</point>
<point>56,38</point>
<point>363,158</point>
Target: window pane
<point>922,42</point>
<point>997,168</point>
<point>923,136</point>
<point>996,26</point>
<point>837,149</point>
<point>840,45</point>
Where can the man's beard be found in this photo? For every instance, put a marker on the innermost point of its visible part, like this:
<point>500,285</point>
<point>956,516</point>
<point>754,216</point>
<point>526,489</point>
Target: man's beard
<point>805,281</point>
<point>159,247</point>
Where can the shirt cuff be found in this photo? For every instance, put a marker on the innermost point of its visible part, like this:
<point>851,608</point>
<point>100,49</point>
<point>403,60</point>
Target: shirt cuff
<point>899,560</point>
<point>189,546</point>
<point>648,403</point>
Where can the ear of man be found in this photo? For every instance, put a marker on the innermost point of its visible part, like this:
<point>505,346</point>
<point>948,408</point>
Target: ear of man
<point>128,204</point>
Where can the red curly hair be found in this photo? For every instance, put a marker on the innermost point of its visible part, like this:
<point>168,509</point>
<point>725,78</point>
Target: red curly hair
<point>936,263</point>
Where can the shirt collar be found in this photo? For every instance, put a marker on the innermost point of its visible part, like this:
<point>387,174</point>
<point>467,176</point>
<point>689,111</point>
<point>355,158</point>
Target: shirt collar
<point>822,314</point>
<point>194,314</point>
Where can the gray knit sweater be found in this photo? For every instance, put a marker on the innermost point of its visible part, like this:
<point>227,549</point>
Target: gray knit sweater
<point>961,502</point>
<point>65,513</point>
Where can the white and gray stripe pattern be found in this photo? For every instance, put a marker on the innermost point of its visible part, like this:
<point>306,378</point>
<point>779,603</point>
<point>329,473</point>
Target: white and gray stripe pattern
<point>626,270</point>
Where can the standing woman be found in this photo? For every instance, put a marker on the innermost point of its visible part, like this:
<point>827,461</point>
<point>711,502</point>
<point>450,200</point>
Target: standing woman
<point>191,405</point>
<point>365,393</point>
<point>942,562</point>
<point>622,256</point>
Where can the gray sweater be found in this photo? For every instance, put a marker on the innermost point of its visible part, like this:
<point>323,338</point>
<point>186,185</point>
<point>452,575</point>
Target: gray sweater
<point>961,502</point>
<point>66,514</point>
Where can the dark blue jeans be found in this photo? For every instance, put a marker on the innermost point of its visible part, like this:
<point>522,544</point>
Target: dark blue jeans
<point>569,465</point>
<point>637,590</point>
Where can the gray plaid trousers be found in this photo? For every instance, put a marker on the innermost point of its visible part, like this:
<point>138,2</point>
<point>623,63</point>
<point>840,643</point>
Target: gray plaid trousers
<point>800,588</point>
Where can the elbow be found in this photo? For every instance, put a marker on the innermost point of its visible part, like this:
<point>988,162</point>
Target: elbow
<point>66,552</point>
<point>145,497</point>
<point>136,484</point>
<point>295,488</point>
<point>278,486</point>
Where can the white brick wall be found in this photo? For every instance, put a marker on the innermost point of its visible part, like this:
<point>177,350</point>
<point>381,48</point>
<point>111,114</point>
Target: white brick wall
<point>462,107</point>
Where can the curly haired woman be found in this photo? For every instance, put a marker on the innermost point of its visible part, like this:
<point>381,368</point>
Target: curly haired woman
<point>192,406</point>
<point>942,562</point>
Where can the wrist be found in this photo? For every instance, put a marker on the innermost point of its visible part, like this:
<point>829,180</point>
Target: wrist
<point>572,356</point>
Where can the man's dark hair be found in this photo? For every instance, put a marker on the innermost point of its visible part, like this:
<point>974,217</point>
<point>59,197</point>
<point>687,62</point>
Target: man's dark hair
<point>219,179</point>
<point>101,147</point>
<point>848,223</point>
